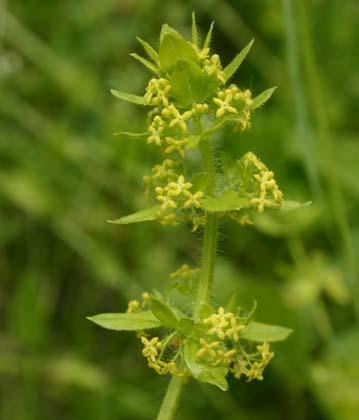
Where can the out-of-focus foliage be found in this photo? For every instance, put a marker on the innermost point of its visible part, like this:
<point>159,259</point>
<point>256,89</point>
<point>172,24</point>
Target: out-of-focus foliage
<point>63,174</point>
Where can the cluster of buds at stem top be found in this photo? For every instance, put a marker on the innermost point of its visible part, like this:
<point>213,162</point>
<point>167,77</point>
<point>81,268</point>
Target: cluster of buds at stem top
<point>188,101</point>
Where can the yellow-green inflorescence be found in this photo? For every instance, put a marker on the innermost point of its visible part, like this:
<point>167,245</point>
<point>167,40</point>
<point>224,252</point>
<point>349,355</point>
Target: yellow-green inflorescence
<point>188,100</point>
<point>218,340</point>
<point>173,123</point>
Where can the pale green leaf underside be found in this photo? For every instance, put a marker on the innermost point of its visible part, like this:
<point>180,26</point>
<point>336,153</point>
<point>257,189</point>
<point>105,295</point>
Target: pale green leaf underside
<point>204,373</point>
<point>256,331</point>
<point>263,97</point>
<point>140,216</point>
<point>126,322</point>
<point>135,99</point>
<point>228,201</point>
<point>237,61</point>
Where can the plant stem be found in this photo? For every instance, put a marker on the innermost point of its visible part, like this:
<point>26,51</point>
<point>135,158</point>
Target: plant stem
<point>173,393</point>
<point>210,235</point>
<point>170,402</point>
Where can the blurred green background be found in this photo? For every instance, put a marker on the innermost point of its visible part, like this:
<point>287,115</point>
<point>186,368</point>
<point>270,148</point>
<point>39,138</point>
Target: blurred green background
<point>63,174</point>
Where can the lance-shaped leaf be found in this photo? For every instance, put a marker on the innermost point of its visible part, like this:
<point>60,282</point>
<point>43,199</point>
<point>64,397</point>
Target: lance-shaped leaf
<point>202,372</point>
<point>145,62</point>
<point>140,216</point>
<point>194,30</point>
<point>199,181</point>
<point>173,48</point>
<point>237,61</point>
<point>229,200</point>
<point>207,41</point>
<point>126,321</point>
<point>256,331</point>
<point>152,53</point>
<point>135,99</point>
<point>193,141</point>
<point>186,82</point>
<point>263,97</point>
<point>185,325</point>
<point>132,135</point>
<point>163,313</point>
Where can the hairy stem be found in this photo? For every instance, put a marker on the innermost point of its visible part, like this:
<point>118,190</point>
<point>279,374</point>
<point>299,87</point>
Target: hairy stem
<point>173,393</point>
<point>210,235</point>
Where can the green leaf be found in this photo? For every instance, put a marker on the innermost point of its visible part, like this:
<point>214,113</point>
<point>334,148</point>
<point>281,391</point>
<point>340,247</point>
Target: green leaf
<point>287,205</point>
<point>231,304</point>
<point>152,53</point>
<point>188,83</point>
<point>135,99</point>
<point>193,141</point>
<point>207,41</point>
<point>145,62</point>
<point>199,181</point>
<point>256,331</point>
<point>174,48</point>
<point>263,97</point>
<point>129,134</point>
<point>194,30</point>
<point>140,216</point>
<point>237,61</point>
<point>185,325</point>
<point>163,313</point>
<point>126,321</point>
<point>204,373</point>
<point>206,310</point>
<point>229,200</point>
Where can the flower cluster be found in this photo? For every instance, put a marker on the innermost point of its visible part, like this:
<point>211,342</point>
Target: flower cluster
<point>219,342</point>
<point>224,347</point>
<point>153,350</point>
<point>269,193</point>
<point>212,67</point>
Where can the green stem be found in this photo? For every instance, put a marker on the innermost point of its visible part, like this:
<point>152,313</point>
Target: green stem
<point>208,258</point>
<point>210,235</point>
<point>170,402</point>
<point>173,393</point>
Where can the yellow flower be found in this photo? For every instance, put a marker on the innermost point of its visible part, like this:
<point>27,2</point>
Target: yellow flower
<point>175,145</point>
<point>208,349</point>
<point>177,188</point>
<point>151,347</point>
<point>192,199</point>
<point>178,118</point>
